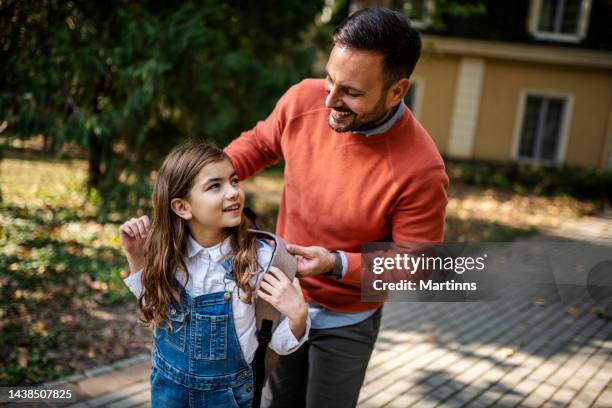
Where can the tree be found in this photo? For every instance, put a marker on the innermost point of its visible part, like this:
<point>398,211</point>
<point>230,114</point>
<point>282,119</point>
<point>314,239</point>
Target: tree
<point>126,80</point>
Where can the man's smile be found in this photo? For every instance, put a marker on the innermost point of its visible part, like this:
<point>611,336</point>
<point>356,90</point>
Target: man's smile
<point>338,115</point>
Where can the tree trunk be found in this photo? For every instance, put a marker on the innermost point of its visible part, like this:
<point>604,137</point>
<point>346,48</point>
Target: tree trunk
<point>95,162</point>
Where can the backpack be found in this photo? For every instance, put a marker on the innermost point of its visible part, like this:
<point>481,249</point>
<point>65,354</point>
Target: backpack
<point>267,317</point>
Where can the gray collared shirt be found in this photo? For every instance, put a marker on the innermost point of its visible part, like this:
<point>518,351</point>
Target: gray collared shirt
<point>383,127</point>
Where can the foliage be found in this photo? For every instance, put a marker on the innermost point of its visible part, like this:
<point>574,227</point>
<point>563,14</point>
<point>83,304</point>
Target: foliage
<point>128,80</point>
<point>577,182</point>
<point>58,268</point>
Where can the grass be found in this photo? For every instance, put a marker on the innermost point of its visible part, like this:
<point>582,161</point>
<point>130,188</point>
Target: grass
<point>63,305</point>
<point>60,274</point>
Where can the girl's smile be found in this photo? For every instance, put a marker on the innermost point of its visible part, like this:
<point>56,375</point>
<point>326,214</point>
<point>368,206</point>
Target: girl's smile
<point>233,209</point>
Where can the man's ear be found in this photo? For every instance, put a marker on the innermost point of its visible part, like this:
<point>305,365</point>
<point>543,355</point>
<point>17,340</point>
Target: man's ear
<point>181,208</point>
<point>397,91</point>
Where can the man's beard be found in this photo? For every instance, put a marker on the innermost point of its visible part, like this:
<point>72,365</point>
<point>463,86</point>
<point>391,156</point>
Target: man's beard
<point>372,119</point>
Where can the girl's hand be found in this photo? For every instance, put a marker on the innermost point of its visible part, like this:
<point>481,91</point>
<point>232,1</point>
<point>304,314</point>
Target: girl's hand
<point>133,234</point>
<point>286,297</point>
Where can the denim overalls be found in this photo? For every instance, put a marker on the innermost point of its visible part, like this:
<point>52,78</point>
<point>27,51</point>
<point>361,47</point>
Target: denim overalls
<point>198,361</point>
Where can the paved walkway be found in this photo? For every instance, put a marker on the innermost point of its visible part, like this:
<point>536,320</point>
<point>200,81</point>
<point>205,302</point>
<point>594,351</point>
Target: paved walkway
<point>513,352</point>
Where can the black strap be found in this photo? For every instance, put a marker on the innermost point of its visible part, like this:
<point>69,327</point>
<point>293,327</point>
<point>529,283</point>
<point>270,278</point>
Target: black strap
<point>259,363</point>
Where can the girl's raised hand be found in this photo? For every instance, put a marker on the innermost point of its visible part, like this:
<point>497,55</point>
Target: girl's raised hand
<point>133,234</point>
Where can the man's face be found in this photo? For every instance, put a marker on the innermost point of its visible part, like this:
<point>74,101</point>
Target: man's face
<point>356,95</point>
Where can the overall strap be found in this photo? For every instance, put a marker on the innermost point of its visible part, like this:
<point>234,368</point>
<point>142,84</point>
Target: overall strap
<point>267,316</point>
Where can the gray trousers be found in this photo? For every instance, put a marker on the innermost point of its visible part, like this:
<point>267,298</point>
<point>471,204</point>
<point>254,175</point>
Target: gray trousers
<point>327,371</point>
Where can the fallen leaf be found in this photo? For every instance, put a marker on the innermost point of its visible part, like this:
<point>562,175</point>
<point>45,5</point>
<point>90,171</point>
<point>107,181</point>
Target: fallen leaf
<point>600,312</point>
<point>106,255</point>
<point>98,285</point>
<point>39,328</point>
<point>53,232</point>
<point>23,310</point>
<point>73,250</point>
<point>538,302</point>
<point>572,311</point>
<point>22,357</point>
<point>23,253</point>
<point>66,319</point>
<point>507,352</point>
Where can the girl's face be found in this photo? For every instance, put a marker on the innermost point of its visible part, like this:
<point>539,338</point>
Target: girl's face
<point>215,200</point>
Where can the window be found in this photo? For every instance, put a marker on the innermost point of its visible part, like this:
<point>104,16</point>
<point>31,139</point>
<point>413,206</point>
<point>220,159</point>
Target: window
<point>542,128</point>
<point>413,96</point>
<point>559,20</point>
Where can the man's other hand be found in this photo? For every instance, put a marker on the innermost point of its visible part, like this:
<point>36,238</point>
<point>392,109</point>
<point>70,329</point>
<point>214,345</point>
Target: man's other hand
<point>312,260</point>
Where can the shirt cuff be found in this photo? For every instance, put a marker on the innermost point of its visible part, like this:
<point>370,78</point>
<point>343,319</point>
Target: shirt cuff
<point>283,341</point>
<point>134,283</point>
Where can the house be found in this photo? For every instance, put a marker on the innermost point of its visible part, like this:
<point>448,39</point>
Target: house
<point>525,80</point>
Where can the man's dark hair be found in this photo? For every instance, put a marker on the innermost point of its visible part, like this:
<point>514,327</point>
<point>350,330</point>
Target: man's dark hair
<point>386,32</point>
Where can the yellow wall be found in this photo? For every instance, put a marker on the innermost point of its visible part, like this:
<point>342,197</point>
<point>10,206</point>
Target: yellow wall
<point>502,85</point>
<point>439,75</point>
<point>501,89</point>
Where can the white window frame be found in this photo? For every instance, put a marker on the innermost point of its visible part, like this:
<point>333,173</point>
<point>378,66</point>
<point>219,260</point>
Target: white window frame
<point>563,131</point>
<point>418,95</point>
<point>582,26</point>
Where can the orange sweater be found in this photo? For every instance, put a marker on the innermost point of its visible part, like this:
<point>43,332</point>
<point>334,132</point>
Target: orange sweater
<point>345,189</point>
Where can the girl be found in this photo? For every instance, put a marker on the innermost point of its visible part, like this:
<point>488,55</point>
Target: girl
<point>194,270</point>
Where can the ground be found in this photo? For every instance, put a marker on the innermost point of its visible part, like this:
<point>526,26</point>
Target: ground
<point>64,307</point>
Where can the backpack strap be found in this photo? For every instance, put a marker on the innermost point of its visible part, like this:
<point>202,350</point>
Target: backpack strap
<point>267,316</point>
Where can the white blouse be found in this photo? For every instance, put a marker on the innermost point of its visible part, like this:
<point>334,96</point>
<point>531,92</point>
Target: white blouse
<point>207,275</point>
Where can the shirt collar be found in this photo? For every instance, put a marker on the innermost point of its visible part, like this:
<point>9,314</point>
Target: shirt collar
<point>383,127</point>
<point>216,252</point>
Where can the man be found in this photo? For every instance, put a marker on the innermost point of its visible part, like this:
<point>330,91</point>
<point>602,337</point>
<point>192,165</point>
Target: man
<point>358,168</point>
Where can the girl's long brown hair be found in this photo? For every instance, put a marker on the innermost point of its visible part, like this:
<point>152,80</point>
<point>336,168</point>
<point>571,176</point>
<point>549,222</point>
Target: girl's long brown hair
<point>166,242</point>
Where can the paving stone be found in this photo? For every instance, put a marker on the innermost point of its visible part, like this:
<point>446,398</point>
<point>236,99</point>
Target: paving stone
<point>450,356</point>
